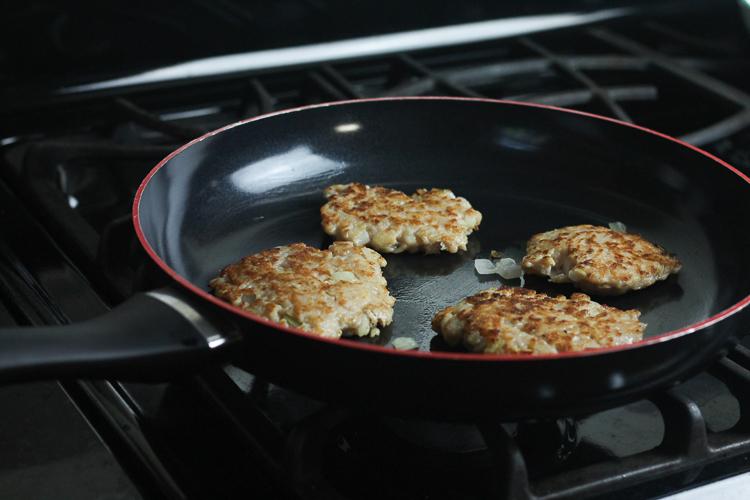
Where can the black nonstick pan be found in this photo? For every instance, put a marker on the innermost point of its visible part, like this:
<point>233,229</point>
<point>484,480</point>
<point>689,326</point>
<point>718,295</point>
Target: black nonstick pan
<point>527,168</point>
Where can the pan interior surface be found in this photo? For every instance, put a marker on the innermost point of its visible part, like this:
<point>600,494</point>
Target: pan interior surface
<point>527,169</point>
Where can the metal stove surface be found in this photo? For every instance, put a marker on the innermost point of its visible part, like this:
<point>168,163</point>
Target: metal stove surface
<point>224,433</point>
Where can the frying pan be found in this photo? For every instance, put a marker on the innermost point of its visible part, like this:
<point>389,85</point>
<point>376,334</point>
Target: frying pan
<point>528,168</point>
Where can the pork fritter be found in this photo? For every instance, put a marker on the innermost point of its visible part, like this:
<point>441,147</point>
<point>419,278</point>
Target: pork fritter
<point>522,321</point>
<point>330,292</point>
<point>597,259</point>
<point>430,220</point>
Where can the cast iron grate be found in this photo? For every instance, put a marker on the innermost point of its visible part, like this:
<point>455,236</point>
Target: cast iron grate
<point>330,452</point>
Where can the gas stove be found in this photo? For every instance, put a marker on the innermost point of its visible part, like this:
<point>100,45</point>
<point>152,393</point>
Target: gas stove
<point>72,159</point>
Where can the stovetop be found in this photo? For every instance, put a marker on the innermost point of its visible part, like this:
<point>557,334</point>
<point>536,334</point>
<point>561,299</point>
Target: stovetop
<point>69,172</point>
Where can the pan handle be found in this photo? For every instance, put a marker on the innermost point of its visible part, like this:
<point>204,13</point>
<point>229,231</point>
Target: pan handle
<point>152,336</point>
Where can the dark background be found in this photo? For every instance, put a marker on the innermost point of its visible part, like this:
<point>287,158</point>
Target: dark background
<point>70,41</point>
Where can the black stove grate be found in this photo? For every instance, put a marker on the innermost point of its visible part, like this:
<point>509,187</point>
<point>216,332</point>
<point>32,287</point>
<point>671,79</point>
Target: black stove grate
<point>330,452</point>
<point>80,176</point>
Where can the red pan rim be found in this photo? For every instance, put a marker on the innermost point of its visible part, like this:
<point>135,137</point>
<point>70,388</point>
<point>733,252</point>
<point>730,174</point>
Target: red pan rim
<point>437,355</point>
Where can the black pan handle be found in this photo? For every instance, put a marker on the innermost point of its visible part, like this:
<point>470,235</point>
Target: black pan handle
<point>152,336</point>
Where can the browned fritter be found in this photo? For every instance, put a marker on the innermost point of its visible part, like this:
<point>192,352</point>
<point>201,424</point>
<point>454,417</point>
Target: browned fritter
<point>430,220</point>
<point>598,259</point>
<point>522,321</point>
<point>330,292</point>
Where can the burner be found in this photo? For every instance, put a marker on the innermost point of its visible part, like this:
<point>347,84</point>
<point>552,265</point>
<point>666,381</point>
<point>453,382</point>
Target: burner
<point>549,440</point>
<point>342,451</point>
<point>442,437</point>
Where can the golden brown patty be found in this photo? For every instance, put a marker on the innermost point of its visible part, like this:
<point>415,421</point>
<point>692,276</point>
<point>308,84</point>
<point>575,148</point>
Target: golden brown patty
<point>327,292</point>
<point>521,321</point>
<point>598,259</point>
<point>392,222</point>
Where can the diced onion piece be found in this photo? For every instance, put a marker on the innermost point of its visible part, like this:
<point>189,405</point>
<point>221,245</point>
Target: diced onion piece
<point>485,266</point>
<point>347,276</point>
<point>404,343</point>
<point>508,269</point>
<point>618,226</point>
